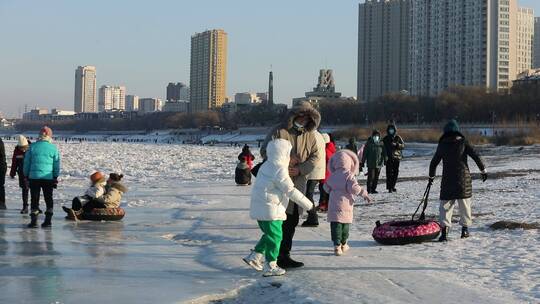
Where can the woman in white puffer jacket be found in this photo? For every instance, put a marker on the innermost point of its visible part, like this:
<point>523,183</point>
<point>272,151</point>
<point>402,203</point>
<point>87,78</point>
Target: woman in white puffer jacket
<point>270,195</point>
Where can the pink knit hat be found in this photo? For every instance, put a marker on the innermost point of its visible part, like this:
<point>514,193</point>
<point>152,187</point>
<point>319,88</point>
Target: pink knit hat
<point>45,131</point>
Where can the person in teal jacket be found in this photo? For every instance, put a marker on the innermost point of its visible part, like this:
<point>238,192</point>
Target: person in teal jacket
<point>42,168</point>
<point>374,157</point>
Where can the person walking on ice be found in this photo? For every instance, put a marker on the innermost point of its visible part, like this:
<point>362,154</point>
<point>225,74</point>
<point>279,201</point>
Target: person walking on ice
<point>17,164</point>
<point>456,184</point>
<point>270,196</point>
<point>42,167</point>
<point>342,187</point>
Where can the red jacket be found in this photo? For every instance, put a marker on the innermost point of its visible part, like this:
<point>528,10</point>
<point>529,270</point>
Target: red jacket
<point>330,150</point>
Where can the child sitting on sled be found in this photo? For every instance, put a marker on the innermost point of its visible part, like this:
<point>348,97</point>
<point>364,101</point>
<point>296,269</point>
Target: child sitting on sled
<point>342,186</point>
<point>270,196</point>
<point>95,191</point>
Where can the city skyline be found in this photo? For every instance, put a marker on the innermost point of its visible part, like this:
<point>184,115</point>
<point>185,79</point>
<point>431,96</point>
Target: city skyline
<point>46,39</point>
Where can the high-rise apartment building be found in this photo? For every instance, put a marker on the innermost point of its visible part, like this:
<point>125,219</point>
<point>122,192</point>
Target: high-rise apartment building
<point>149,105</point>
<point>85,89</point>
<point>525,39</point>
<point>132,103</point>
<point>208,70</point>
<point>383,47</point>
<point>464,42</point>
<point>177,91</point>
<point>536,48</point>
<point>112,98</point>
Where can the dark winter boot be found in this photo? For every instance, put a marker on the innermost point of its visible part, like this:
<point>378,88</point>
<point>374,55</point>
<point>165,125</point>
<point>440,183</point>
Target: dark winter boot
<point>33,219</point>
<point>24,209</point>
<point>312,219</point>
<point>3,206</point>
<point>323,206</point>
<point>444,233</point>
<point>286,262</point>
<point>464,232</point>
<point>47,221</point>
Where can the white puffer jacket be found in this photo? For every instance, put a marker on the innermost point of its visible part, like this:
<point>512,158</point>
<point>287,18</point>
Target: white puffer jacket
<point>273,187</point>
<point>319,172</point>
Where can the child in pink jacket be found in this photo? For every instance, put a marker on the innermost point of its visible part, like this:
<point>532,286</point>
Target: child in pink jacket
<point>342,187</point>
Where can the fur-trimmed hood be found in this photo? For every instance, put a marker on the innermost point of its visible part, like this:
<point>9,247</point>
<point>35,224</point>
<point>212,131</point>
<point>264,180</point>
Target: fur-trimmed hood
<point>304,109</point>
<point>119,186</point>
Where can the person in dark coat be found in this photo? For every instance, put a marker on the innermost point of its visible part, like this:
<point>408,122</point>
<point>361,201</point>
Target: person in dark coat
<point>374,157</point>
<point>242,174</point>
<point>17,163</point>
<point>456,184</point>
<point>393,144</point>
<point>352,145</point>
<point>3,170</point>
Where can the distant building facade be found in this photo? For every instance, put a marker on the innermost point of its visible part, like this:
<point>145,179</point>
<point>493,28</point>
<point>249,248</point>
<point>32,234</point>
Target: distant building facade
<point>383,47</point>
<point>45,115</point>
<point>246,98</point>
<point>525,39</point>
<point>132,103</point>
<point>149,105</point>
<point>536,49</point>
<point>85,89</point>
<point>177,91</point>
<point>325,91</point>
<point>208,70</point>
<point>112,98</point>
<point>176,106</point>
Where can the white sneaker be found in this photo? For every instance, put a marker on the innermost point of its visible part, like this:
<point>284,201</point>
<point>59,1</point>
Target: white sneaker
<point>345,248</point>
<point>255,260</point>
<point>338,251</point>
<point>271,269</point>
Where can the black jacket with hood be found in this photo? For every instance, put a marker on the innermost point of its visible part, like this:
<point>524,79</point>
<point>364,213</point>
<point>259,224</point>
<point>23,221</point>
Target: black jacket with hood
<point>393,144</point>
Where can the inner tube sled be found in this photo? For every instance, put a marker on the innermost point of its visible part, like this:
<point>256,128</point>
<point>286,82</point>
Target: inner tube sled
<point>104,214</point>
<point>405,232</point>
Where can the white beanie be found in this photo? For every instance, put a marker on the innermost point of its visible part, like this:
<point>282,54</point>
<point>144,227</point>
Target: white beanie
<point>22,141</point>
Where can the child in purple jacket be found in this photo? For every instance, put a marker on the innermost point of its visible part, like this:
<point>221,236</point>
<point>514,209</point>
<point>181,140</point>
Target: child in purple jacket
<point>342,187</point>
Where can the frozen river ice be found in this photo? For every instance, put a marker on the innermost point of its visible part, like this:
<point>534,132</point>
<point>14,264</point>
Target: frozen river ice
<point>187,227</point>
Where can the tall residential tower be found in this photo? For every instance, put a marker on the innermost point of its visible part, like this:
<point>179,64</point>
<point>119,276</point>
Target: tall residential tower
<point>536,48</point>
<point>208,70</point>
<point>383,47</point>
<point>85,89</point>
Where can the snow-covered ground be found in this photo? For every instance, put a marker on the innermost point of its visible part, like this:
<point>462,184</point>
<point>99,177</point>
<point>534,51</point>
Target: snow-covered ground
<point>187,227</point>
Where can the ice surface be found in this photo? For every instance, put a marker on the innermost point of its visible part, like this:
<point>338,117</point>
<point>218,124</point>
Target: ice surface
<point>187,227</point>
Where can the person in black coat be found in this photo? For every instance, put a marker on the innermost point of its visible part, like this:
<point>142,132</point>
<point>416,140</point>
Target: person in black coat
<point>242,175</point>
<point>456,184</point>
<point>394,145</point>
<point>3,170</point>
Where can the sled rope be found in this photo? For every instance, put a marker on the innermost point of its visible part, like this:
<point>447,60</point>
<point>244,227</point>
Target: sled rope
<point>425,202</point>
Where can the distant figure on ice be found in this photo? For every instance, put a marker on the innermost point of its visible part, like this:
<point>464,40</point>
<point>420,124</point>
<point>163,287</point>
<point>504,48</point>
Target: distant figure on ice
<point>42,168</point>
<point>3,170</point>
<point>352,145</point>
<point>95,191</point>
<point>17,164</point>
<point>329,151</point>
<point>316,176</point>
<point>374,156</point>
<point>269,199</point>
<point>342,187</point>
<point>242,174</point>
<point>456,184</point>
<point>394,145</point>
<point>298,128</point>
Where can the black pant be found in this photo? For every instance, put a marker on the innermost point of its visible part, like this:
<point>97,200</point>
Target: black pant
<point>373,179</point>
<point>289,227</point>
<point>92,205</point>
<point>310,190</point>
<point>36,185</point>
<point>324,197</point>
<point>2,185</point>
<point>392,172</point>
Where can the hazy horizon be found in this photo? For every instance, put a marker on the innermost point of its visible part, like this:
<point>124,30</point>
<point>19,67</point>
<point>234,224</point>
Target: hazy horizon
<point>145,45</point>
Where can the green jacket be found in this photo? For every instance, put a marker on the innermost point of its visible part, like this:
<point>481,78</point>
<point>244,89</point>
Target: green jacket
<point>374,155</point>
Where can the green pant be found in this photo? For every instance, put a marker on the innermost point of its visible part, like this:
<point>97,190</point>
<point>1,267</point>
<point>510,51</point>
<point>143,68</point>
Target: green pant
<point>340,233</point>
<point>271,240</point>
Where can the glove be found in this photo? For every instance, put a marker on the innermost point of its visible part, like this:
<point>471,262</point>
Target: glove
<point>55,183</point>
<point>431,179</point>
<point>484,176</point>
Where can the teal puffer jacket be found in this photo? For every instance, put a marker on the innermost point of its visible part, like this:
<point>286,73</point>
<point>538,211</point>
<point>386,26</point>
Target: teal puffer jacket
<point>42,161</point>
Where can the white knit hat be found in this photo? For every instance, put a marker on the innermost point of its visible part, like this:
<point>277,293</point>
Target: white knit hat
<point>22,141</point>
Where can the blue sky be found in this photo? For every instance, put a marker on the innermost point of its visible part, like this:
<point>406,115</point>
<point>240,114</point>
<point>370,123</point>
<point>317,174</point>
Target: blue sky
<point>145,44</point>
